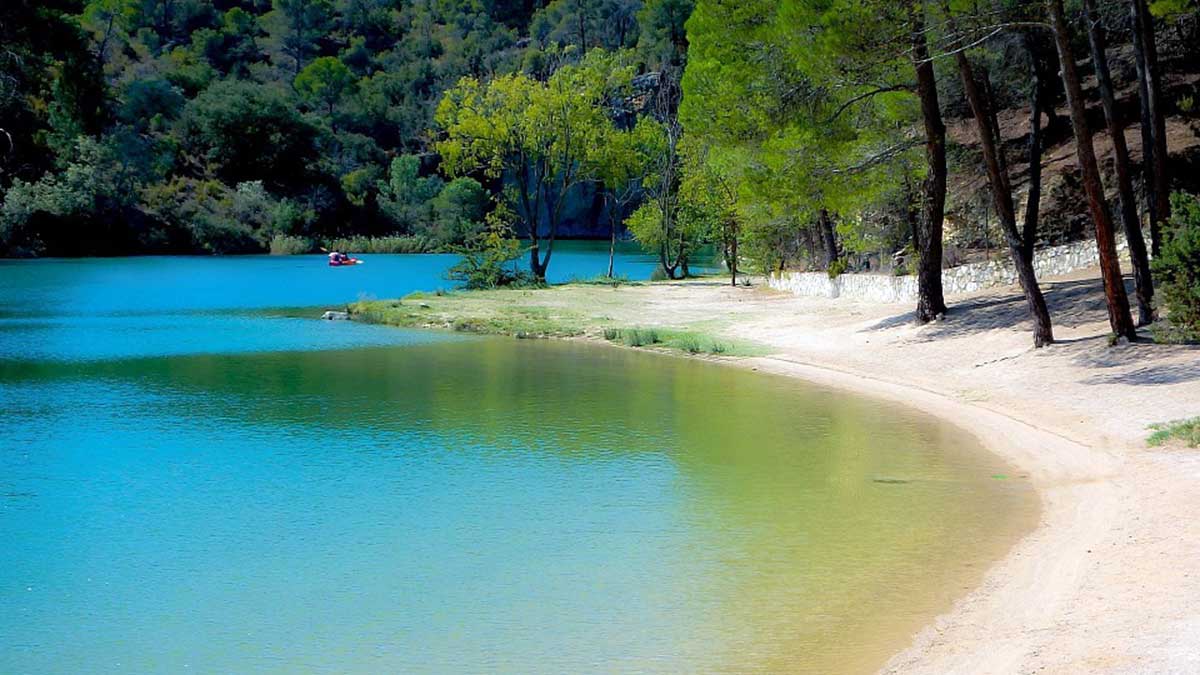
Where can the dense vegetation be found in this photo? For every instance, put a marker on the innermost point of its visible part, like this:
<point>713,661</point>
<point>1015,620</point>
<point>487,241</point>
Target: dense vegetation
<point>225,125</point>
<point>831,134</point>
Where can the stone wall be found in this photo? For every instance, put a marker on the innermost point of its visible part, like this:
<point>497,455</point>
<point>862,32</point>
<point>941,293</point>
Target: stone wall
<point>1047,262</point>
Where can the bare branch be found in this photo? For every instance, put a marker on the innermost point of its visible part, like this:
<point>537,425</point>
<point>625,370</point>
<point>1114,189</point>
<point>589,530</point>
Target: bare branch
<point>874,92</point>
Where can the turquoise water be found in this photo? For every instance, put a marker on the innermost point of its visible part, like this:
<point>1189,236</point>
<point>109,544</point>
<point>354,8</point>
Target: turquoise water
<point>192,480</point>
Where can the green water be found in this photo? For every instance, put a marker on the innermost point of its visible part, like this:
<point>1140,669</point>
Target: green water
<point>274,494</point>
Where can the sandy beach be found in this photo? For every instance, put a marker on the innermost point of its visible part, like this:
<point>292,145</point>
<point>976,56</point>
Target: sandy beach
<point>1109,580</point>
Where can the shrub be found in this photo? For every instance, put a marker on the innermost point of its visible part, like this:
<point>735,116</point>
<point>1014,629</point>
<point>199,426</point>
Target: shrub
<point>837,268</point>
<point>659,274</point>
<point>488,259</point>
<point>396,243</point>
<point>285,244</point>
<point>612,334</point>
<point>1177,269</point>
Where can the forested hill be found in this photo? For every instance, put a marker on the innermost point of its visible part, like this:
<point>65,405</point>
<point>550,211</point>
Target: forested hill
<point>215,125</point>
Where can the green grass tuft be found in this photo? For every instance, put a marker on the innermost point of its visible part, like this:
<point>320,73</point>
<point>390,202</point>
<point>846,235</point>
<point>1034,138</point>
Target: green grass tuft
<point>640,337</point>
<point>690,344</point>
<point>1186,431</point>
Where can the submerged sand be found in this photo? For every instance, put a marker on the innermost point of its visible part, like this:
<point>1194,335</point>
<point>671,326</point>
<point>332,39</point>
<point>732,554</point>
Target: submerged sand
<point>1109,580</point>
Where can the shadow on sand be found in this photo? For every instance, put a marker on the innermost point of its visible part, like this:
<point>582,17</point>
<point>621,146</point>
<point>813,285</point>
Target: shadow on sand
<point>1071,303</point>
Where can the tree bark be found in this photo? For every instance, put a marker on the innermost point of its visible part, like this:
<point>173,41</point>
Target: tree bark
<point>931,302</point>
<point>986,126</point>
<point>1154,131</point>
<point>733,260</point>
<point>1146,120</point>
<point>1110,268</point>
<point>827,237</point>
<point>1033,201</point>
<point>1129,217</point>
<point>612,243</point>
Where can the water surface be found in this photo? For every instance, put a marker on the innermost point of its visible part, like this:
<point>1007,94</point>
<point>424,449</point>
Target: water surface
<point>189,481</point>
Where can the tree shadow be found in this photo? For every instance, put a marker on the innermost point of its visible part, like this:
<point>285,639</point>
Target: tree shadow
<point>1071,303</point>
<point>1150,375</point>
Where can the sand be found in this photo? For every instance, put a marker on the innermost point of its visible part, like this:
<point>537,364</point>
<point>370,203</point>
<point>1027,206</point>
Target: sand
<point>1109,581</point>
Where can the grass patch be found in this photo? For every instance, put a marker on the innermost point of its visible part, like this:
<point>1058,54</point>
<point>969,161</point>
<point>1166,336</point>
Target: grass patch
<point>605,280</point>
<point>640,337</point>
<point>555,311</point>
<point>1185,431</point>
<point>469,312</point>
<point>690,344</point>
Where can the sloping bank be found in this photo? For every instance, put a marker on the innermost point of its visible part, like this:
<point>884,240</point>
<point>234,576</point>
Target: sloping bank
<point>1102,583</point>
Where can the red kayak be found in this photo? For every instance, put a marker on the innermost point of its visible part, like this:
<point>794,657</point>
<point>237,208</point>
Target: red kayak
<point>344,263</point>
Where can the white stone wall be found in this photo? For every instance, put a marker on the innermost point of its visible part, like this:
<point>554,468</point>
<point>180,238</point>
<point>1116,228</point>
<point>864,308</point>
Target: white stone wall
<point>1047,262</point>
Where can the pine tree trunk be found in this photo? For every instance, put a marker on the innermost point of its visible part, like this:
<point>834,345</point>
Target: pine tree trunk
<point>1110,268</point>
<point>931,302</point>
<point>1162,182</point>
<point>733,261</point>
<point>1146,120</point>
<point>987,126</point>
<point>1129,217</point>
<point>827,237</point>
<point>1155,182</point>
<point>1033,201</point>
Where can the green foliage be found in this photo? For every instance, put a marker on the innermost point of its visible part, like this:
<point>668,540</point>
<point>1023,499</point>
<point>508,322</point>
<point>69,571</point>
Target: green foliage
<point>814,111</point>
<point>664,36</point>
<point>213,217</point>
<point>286,244</point>
<point>543,136</point>
<point>246,132</point>
<point>1184,431</point>
<point>458,210</point>
<point>1177,269</point>
<point>1170,9</point>
<point>488,259</point>
<point>85,204</point>
<point>674,235</point>
<point>837,268</point>
<point>405,199</point>
<point>325,81</point>
<point>397,243</point>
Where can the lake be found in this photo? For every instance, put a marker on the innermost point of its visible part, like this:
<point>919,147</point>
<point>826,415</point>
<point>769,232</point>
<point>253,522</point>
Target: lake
<point>196,476</point>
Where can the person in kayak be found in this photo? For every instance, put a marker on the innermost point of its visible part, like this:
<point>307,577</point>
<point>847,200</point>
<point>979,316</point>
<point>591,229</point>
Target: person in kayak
<point>336,258</point>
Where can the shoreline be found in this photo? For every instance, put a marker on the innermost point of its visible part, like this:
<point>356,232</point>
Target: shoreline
<point>1009,587</point>
<point>1101,584</point>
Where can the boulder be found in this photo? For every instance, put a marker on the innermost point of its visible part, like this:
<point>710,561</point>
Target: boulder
<point>336,316</point>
